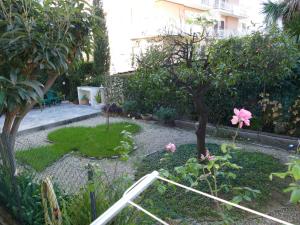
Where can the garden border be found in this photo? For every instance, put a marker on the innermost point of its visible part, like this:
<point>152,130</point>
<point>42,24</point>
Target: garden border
<point>58,123</point>
<point>274,140</point>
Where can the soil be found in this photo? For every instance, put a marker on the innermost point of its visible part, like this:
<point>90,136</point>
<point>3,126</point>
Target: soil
<point>5,218</point>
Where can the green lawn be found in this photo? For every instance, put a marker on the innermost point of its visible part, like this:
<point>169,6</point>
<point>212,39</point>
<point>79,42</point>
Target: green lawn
<point>177,203</point>
<point>87,141</point>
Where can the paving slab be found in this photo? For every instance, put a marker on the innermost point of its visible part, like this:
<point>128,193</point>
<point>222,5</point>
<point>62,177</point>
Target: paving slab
<point>44,118</point>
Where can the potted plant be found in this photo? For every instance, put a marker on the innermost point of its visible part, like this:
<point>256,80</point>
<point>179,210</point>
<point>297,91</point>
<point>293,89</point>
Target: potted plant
<point>84,100</point>
<point>98,100</point>
<point>146,116</point>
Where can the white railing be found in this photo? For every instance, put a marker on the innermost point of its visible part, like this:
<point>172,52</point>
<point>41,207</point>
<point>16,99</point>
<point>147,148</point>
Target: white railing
<point>227,33</point>
<point>198,4</point>
<point>229,8</point>
<point>136,189</point>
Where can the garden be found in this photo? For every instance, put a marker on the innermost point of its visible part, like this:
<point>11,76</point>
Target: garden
<point>71,174</point>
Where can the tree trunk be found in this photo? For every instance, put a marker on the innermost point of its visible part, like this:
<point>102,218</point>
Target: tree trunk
<point>7,143</point>
<point>10,129</point>
<point>202,111</point>
<point>107,118</point>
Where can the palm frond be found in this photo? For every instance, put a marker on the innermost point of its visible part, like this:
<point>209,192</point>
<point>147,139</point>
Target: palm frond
<point>273,10</point>
<point>291,7</point>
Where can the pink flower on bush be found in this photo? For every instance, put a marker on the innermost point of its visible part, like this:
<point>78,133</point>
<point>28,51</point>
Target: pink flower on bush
<point>207,156</point>
<point>170,147</point>
<point>241,117</point>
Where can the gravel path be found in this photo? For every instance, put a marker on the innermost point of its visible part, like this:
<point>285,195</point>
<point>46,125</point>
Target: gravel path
<point>70,172</point>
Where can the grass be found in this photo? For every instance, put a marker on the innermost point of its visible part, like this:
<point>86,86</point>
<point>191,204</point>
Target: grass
<point>87,141</point>
<point>176,203</point>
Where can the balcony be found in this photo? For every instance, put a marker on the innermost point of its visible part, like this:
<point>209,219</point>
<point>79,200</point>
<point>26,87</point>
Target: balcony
<point>228,9</point>
<point>196,4</point>
<point>220,34</point>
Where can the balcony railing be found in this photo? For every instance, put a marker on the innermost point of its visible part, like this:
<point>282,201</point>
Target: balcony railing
<point>227,33</point>
<point>198,4</point>
<point>230,9</point>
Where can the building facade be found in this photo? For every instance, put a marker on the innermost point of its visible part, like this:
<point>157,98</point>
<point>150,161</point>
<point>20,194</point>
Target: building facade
<point>132,24</point>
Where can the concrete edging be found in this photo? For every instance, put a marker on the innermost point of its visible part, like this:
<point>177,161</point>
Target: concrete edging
<point>59,123</point>
<point>279,141</point>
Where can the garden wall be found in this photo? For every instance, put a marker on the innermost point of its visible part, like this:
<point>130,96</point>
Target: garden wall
<point>277,141</point>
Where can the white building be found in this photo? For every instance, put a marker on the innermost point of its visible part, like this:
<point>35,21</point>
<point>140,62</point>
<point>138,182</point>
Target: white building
<point>131,23</point>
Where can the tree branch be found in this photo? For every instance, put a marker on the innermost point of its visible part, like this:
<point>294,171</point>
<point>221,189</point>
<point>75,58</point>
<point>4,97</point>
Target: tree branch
<point>19,117</point>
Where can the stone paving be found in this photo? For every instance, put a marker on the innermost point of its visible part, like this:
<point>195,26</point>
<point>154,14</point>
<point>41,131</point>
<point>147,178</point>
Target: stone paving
<point>54,114</point>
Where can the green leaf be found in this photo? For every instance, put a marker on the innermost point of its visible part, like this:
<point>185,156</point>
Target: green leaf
<point>224,148</point>
<point>36,86</point>
<point>296,172</point>
<point>247,198</point>
<point>161,189</point>
<point>295,196</point>
<point>237,199</point>
<point>280,175</point>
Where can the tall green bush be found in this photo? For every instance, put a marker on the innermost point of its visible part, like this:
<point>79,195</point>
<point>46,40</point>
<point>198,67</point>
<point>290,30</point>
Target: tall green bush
<point>77,209</point>
<point>31,212</point>
<point>82,75</point>
<point>267,63</point>
<point>151,88</point>
<point>262,63</point>
<point>101,52</point>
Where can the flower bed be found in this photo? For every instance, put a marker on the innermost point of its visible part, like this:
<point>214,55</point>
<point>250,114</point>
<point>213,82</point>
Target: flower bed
<point>175,203</point>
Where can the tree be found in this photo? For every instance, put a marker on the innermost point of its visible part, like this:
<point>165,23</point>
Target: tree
<point>188,62</point>
<point>288,11</point>
<point>182,57</point>
<point>195,63</point>
<point>101,51</point>
<point>39,41</point>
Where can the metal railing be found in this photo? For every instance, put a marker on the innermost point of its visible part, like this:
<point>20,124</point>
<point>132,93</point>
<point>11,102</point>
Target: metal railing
<point>199,4</point>
<point>232,9</point>
<point>136,189</point>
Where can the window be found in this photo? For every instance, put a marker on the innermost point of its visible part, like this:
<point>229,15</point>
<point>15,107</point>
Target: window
<point>220,25</point>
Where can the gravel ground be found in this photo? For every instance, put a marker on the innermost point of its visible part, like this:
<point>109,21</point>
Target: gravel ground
<point>70,172</point>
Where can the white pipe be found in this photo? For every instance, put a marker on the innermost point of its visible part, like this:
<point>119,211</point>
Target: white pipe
<point>148,213</point>
<point>226,202</point>
<point>134,191</point>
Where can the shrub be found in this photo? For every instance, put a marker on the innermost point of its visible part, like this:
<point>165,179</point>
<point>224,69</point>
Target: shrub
<point>293,172</point>
<point>151,88</point>
<point>81,75</point>
<point>77,210</point>
<point>272,112</point>
<point>294,121</point>
<point>98,97</point>
<point>30,211</point>
<point>130,107</point>
<point>166,114</point>
<point>112,108</point>
<point>263,63</point>
<point>220,102</point>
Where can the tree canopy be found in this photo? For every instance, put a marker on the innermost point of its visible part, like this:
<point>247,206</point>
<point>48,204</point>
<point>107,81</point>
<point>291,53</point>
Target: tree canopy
<point>39,41</point>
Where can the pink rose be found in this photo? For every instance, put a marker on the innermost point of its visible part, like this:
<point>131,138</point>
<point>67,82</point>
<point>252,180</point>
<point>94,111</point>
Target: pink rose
<point>241,117</point>
<point>170,147</point>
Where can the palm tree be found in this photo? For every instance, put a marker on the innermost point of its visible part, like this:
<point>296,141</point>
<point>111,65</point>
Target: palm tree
<point>288,11</point>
